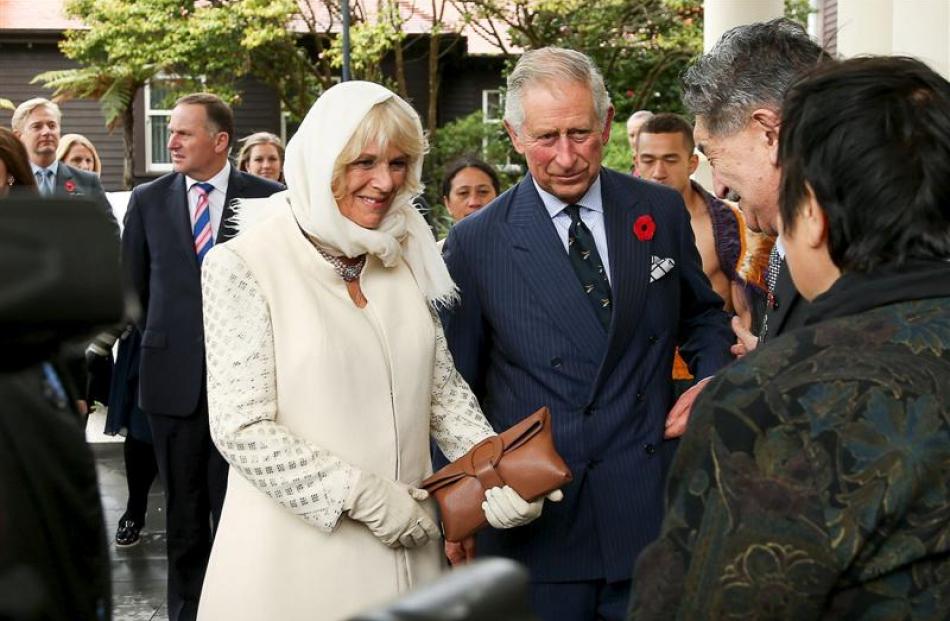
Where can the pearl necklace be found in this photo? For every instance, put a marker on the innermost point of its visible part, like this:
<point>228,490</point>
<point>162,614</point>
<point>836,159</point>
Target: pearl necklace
<point>347,272</point>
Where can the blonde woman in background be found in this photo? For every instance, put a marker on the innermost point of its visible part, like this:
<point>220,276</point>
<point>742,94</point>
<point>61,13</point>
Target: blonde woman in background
<point>77,151</point>
<point>262,155</point>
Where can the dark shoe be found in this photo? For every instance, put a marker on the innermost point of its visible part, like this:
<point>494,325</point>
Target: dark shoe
<point>127,534</point>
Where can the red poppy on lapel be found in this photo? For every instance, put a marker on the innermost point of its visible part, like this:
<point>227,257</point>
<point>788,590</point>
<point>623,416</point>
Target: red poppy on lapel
<point>70,185</point>
<point>644,227</point>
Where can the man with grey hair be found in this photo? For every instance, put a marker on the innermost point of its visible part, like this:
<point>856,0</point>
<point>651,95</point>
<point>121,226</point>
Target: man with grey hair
<point>37,123</point>
<point>576,286</point>
<point>735,91</point>
<point>634,123</point>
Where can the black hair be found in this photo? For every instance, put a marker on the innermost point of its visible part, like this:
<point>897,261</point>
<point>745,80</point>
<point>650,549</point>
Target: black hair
<point>871,137</point>
<point>468,161</point>
<point>668,123</point>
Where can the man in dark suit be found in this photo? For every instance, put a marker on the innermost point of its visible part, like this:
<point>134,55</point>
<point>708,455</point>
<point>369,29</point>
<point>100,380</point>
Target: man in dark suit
<point>170,224</point>
<point>738,109</point>
<point>576,285</point>
<point>37,123</point>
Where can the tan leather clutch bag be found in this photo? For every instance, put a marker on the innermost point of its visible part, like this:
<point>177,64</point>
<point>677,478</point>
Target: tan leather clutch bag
<point>523,457</point>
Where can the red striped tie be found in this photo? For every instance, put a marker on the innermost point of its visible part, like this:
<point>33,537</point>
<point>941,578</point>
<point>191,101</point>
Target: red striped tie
<point>204,240</point>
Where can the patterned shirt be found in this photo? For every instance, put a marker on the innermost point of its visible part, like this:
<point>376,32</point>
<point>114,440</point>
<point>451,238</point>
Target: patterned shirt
<point>814,481</point>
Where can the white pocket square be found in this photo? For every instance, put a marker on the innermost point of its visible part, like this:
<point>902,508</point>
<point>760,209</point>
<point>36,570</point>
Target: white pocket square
<point>660,267</point>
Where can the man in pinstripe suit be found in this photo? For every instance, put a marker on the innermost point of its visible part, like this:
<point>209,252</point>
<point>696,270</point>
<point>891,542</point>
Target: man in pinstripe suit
<point>576,285</point>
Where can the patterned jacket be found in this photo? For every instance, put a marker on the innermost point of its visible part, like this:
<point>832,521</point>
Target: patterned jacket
<point>814,480</point>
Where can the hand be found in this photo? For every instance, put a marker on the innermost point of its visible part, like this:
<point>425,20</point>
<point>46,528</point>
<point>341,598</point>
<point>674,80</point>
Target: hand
<point>391,511</point>
<point>460,552</point>
<point>745,340</point>
<point>678,417</point>
<point>504,508</point>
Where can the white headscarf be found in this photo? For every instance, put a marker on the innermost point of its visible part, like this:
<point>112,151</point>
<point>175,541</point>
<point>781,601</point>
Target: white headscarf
<point>308,169</point>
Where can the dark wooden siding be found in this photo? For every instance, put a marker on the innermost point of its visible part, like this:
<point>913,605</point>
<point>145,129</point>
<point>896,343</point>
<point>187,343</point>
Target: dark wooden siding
<point>463,81</point>
<point>21,61</point>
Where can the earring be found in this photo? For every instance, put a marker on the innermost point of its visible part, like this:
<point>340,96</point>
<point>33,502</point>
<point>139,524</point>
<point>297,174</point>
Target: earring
<point>10,180</point>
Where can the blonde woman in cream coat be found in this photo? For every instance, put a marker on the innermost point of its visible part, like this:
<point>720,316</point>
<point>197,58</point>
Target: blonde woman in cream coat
<point>328,372</point>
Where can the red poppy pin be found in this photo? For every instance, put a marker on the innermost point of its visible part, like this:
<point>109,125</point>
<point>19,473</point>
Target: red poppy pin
<point>70,185</point>
<point>644,227</point>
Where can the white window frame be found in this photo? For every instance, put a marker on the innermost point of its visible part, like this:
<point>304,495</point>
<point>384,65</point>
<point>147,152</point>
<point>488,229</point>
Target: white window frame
<point>150,113</point>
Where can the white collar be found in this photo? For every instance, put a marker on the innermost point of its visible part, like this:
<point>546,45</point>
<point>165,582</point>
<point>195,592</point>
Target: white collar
<point>592,199</point>
<point>53,167</point>
<point>219,181</point>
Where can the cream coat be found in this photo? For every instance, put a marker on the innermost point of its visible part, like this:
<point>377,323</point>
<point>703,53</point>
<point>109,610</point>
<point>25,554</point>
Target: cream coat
<point>305,391</point>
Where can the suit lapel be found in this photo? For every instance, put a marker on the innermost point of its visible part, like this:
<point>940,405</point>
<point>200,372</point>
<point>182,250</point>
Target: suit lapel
<point>540,256</point>
<point>180,218</point>
<point>629,270</point>
<point>235,191</point>
<point>63,174</point>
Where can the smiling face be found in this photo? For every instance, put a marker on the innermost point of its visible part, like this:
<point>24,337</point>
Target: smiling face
<point>471,190</point>
<point>561,138</point>
<point>366,190</point>
<point>80,157</point>
<point>40,136</point>
<point>264,161</point>
<point>196,150</point>
<point>745,163</point>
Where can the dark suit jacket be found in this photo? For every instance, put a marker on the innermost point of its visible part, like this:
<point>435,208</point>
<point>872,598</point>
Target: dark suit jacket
<point>159,256</point>
<point>525,335</point>
<point>82,184</point>
<point>789,308</point>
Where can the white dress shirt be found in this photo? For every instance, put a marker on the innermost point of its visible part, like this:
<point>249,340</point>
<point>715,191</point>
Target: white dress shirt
<point>215,198</point>
<point>592,214</point>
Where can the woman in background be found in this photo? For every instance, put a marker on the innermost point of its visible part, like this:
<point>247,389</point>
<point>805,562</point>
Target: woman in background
<point>263,156</point>
<point>77,151</point>
<point>468,185</point>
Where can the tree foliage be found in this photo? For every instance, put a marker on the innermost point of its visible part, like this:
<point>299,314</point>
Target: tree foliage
<point>126,43</point>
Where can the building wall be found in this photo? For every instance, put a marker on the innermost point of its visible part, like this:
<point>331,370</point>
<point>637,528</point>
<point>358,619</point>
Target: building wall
<point>21,61</point>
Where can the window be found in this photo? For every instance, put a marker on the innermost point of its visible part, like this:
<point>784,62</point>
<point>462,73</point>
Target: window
<point>493,106</point>
<point>160,95</point>
<point>158,92</point>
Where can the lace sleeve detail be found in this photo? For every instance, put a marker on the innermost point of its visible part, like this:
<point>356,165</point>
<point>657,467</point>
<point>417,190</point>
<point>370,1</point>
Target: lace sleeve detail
<point>308,481</point>
<point>457,421</point>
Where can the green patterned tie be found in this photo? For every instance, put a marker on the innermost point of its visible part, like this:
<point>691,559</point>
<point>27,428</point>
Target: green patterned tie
<point>587,265</point>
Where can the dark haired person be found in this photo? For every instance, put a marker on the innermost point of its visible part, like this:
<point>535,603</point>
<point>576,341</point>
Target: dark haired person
<point>813,480</point>
<point>170,225</point>
<point>468,185</point>
<point>15,173</point>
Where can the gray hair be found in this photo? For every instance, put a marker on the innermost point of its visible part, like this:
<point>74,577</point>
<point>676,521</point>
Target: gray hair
<point>25,109</point>
<point>749,67</point>
<point>638,115</point>
<point>553,64</point>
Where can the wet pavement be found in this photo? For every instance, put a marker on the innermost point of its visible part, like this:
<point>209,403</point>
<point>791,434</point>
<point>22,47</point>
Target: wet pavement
<point>138,572</point>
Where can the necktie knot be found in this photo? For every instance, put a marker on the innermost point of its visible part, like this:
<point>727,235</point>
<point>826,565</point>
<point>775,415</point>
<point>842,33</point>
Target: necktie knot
<point>574,211</point>
<point>204,188</point>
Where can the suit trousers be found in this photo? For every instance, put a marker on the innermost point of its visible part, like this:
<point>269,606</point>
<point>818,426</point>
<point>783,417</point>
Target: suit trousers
<point>195,478</point>
<point>589,600</point>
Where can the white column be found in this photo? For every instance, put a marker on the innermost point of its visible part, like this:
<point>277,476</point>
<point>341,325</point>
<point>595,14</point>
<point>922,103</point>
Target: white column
<point>920,30</point>
<point>721,15</point>
<point>865,27</point>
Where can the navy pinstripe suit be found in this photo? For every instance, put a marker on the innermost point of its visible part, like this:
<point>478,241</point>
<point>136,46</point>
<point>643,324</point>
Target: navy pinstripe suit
<point>525,336</point>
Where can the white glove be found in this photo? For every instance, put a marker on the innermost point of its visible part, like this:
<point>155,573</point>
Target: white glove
<point>391,511</point>
<point>504,508</point>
